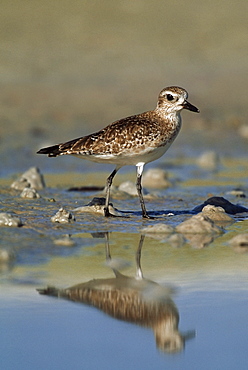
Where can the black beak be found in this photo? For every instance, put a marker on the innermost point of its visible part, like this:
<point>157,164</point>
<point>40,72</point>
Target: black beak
<point>191,107</point>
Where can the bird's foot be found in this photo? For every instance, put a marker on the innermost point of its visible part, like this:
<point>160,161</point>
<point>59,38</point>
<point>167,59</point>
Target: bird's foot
<point>147,217</point>
<point>108,214</point>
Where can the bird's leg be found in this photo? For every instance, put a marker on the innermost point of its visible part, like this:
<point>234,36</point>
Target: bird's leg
<point>140,168</point>
<point>108,186</point>
<point>139,274</point>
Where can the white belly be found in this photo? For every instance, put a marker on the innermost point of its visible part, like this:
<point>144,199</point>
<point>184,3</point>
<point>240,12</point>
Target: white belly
<point>129,158</point>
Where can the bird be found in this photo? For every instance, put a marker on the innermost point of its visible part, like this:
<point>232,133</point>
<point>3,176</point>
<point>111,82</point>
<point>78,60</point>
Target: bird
<point>134,140</point>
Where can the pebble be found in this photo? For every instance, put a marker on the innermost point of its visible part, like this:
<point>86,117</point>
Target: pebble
<point>198,224</point>
<point>208,160</point>
<point>97,205</point>
<point>239,193</point>
<point>32,178</point>
<point>29,193</point>
<point>243,131</point>
<point>6,219</point>
<point>63,217</point>
<point>156,178</point>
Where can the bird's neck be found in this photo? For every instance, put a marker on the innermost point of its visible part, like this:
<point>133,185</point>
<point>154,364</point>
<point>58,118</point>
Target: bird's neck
<point>173,116</point>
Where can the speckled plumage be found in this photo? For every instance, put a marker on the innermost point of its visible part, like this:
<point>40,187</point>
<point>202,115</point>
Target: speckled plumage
<point>134,140</point>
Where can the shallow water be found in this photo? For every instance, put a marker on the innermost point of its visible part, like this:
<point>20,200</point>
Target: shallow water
<point>207,276</point>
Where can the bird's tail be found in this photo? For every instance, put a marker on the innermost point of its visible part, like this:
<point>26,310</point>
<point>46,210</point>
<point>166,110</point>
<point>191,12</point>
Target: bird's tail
<point>51,151</point>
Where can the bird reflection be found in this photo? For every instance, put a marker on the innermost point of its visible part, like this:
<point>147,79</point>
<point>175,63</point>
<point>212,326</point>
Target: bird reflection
<point>132,299</point>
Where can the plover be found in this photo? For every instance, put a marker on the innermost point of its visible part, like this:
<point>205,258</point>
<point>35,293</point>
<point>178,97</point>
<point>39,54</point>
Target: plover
<point>134,140</point>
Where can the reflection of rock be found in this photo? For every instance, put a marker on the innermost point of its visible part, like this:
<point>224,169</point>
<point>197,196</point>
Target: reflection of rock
<point>158,229</point>
<point>156,178</point>
<point>221,202</point>
<point>65,241</point>
<point>199,224</point>
<point>6,219</point>
<point>239,243</point>
<point>199,241</point>
<point>63,217</point>
<point>97,205</point>
<point>6,256</point>
<point>32,178</point>
<point>133,299</point>
<point>176,240</point>
<point>199,230</point>
<point>7,259</point>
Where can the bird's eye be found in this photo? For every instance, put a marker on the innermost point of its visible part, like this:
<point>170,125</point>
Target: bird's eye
<point>169,97</point>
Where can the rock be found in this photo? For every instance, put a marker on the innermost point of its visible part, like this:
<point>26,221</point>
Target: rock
<point>221,202</point>
<point>158,228</point>
<point>32,178</point>
<point>208,160</point>
<point>97,205</point>
<point>29,193</point>
<point>239,193</point>
<point>216,214</point>
<point>128,187</point>
<point>156,178</point>
<point>199,224</point>
<point>243,131</point>
<point>7,219</point>
<point>116,193</point>
<point>63,217</point>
